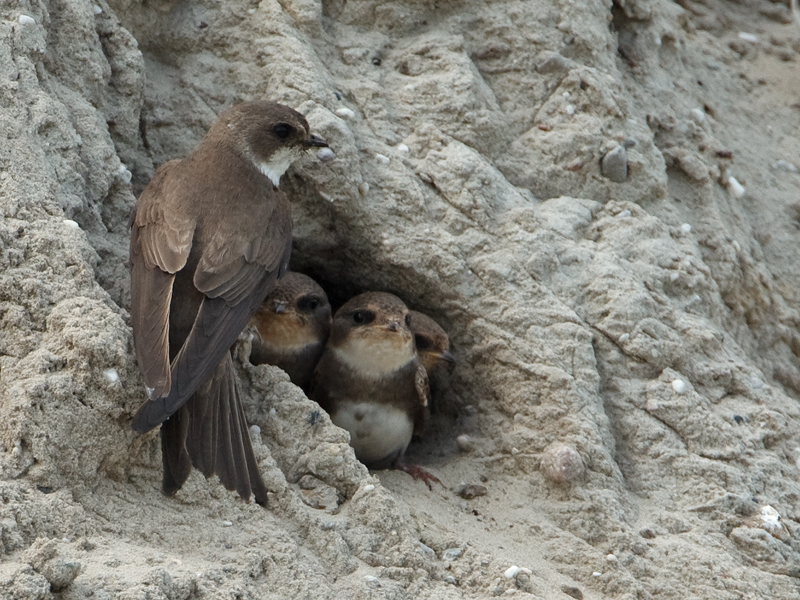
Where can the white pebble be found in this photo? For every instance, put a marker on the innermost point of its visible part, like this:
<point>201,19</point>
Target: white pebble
<point>97,10</point>
<point>770,517</point>
<point>686,229</point>
<point>111,375</point>
<point>272,412</point>
<point>624,214</point>
<point>748,37</point>
<point>674,276</point>
<point>255,431</point>
<point>26,20</point>
<point>597,574</point>
<point>526,571</point>
<point>71,224</point>
<point>369,487</point>
<point>370,578</point>
<point>17,448</point>
<point>363,188</point>
<point>735,188</point>
<point>624,337</point>
<point>611,558</point>
<point>227,524</point>
<point>326,154</point>
<point>679,385</point>
<point>464,442</point>
<point>698,114</point>
<point>570,109</point>
<point>383,159</point>
<point>512,572</point>
<point>785,165</point>
<point>345,113</point>
<point>756,383</point>
<point>402,148</point>
<point>452,554</point>
<point>737,246</point>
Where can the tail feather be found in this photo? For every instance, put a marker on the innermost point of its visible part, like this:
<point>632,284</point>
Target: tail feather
<point>210,433</point>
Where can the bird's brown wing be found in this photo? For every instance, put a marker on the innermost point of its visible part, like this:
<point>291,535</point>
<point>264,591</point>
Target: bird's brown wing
<point>423,389</point>
<point>235,275</point>
<point>160,245</point>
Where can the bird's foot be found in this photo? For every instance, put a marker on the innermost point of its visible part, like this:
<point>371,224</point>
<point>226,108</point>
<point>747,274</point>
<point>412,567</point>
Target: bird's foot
<point>419,473</point>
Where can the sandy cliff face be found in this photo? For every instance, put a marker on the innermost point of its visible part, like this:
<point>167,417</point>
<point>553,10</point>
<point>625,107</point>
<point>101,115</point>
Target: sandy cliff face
<point>599,203</point>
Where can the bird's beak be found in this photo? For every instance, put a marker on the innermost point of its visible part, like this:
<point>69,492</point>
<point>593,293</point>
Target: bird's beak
<point>393,326</point>
<point>314,141</point>
<point>280,308</point>
<point>448,356</point>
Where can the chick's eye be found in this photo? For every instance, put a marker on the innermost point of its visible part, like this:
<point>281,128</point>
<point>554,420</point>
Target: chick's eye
<point>313,303</point>
<point>359,317</point>
<point>282,130</point>
<point>421,342</point>
<point>408,321</point>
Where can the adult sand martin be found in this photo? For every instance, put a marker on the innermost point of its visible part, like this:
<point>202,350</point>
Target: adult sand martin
<point>292,325</point>
<point>371,382</point>
<point>210,236</point>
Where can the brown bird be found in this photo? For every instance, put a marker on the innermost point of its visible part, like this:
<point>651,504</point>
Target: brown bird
<point>371,382</point>
<point>433,344</point>
<point>292,325</point>
<point>210,236</point>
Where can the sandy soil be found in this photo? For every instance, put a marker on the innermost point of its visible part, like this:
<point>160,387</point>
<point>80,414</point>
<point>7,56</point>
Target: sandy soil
<point>599,203</point>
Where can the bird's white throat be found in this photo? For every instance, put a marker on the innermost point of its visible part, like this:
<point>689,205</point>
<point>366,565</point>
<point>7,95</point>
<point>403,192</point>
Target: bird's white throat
<point>277,165</point>
<point>375,358</point>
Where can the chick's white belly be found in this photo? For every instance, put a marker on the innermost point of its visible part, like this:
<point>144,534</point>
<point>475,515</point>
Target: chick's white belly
<point>376,430</point>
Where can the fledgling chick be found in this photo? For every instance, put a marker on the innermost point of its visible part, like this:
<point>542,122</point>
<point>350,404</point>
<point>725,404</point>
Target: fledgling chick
<point>293,325</point>
<point>433,344</point>
<point>371,382</point>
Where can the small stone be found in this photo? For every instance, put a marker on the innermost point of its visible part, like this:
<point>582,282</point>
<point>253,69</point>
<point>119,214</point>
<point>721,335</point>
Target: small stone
<point>383,159</point>
<point>561,464</point>
<point>785,165</point>
<point>326,154</point>
<point>686,229</point>
<point>369,487</point>
<point>512,572</point>
<point>471,490</point>
<point>570,109</point>
<point>227,524</point>
<point>452,554</point>
<point>612,558</point>
<point>255,431</point>
<point>97,10</point>
<point>111,375</point>
<point>571,590</point>
<point>26,20</point>
<point>451,580</point>
<point>427,550</point>
<point>748,37</point>
<point>71,224</point>
<point>345,113</point>
<point>679,385</point>
<point>402,148</point>
<point>363,188</point>
<point>624,214</point>
<point>698,115</point>
<point>625,337</point>
<point>464,443</point>
<point>597,574</point>
<point>614,165</point>
<point>736,189</point>
<point>770,517</point>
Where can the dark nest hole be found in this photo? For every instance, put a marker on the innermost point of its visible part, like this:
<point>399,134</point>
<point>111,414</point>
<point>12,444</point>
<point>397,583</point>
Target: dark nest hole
<point>328,263</point>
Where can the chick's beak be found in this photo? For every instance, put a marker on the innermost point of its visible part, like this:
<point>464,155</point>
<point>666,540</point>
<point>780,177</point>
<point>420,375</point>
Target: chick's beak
<point>314,141</point>
<point>448,356</point>
<point>280,308</point>
<point>393,326</point>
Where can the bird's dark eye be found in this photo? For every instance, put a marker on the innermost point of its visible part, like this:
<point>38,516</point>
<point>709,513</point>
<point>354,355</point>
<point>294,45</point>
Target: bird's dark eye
<point>422,342</point>
<point>308,303</point>
<point>282,130</point>
<point>408,321</point>
<point>362,317</point>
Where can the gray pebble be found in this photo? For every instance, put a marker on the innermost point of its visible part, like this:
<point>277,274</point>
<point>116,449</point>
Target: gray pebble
<point>614,165</point>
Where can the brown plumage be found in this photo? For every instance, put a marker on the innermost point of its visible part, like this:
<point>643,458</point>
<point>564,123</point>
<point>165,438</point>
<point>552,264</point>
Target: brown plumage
<point>370,380</point>
<point>293,325</point>
<point>210,236</point>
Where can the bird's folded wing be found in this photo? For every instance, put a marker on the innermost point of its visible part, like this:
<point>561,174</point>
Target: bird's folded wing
<point>160,245</point>
<point>234,287</point>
